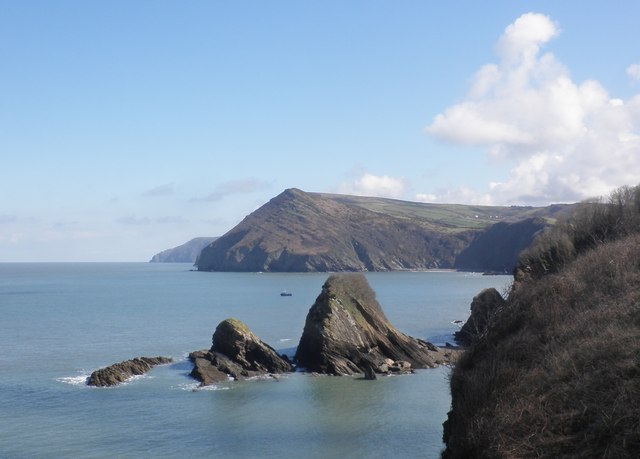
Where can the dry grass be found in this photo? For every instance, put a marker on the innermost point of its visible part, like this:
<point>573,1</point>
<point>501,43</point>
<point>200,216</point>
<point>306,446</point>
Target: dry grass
<point>558,375</point>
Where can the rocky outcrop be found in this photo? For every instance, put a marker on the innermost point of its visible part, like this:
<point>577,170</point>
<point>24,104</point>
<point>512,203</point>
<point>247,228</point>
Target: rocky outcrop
<point>120,372</point>
<point>236,354</point>
<point>483,309</point>
<point>185,253</point>
<point>346,333</point>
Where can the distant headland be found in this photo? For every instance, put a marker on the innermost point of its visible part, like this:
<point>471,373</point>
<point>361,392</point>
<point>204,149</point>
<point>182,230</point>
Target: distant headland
<point>298,231</point>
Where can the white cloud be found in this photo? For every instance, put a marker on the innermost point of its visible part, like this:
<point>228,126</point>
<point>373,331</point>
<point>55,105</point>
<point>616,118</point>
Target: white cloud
<point>454,196</point>
<point>426,197</point>
<point>521,41</point>
<point>568,141</point>
<point>634,71</point>
<point>375,185</point>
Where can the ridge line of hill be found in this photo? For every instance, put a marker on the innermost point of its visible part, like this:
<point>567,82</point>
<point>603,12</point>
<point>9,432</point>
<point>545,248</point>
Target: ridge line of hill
<point>299,231</point>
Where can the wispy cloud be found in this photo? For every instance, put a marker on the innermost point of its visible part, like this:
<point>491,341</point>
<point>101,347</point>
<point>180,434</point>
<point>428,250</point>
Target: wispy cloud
<point>5,219</point>
<point>134,220</point>
<point>634,71</point>
<point>568,141</point>
<point>235,187</point>
<point>170,220</point>
<point>64,225</point>
<point>162,190</point>
<point>375,185</point>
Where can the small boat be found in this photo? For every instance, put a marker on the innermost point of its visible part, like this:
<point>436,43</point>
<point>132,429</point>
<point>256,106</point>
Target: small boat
<point>285,293</point>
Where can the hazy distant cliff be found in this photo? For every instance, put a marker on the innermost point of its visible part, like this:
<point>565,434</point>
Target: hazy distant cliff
<point>299,231</point>
<point>185,253</point>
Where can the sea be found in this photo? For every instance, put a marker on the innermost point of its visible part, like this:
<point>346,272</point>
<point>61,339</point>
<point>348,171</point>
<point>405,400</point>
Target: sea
<point>61,321</point>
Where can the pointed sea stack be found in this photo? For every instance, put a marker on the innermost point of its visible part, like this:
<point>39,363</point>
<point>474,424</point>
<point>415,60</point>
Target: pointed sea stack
<point>346,332</point>
<point>236,353</point>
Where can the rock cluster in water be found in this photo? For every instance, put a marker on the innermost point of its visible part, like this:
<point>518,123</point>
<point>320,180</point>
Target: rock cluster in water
<point>236,354</point>
<point>346,332</point>
<point>120,372</point>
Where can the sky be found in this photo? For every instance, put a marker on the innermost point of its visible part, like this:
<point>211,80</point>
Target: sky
<point>127,128</point>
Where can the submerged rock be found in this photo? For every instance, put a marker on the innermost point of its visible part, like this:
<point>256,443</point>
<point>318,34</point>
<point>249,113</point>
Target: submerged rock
<point>483,309</point>
<point>346,332</point>
<point>236,353</point>
<point>120,372</point>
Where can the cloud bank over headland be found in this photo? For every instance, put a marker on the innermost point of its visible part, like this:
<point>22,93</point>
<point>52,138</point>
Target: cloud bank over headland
<point>567,141</point>
<point>375,185</point>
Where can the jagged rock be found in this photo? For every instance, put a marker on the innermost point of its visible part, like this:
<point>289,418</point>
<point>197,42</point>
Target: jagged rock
<point>483,308</point>
<point>120,372</point>
<point>346,332</point>
<point>236,353</point>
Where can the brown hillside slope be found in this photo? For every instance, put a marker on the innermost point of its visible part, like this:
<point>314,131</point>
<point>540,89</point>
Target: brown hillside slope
<point>299,231</point>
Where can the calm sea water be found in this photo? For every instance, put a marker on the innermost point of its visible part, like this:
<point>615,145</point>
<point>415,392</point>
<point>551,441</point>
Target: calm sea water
<point>59,322</point>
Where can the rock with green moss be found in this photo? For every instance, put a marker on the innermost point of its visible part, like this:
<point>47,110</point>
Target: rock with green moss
<point>346,332</point>
<point>237,354</point>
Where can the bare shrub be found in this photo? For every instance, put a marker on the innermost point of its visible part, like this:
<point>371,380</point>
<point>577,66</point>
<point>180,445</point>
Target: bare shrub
<point>594,222</point>
<point>559,373</point>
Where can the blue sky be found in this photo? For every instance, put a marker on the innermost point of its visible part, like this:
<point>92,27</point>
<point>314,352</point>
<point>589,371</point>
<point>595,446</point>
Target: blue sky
<point>130,127</point>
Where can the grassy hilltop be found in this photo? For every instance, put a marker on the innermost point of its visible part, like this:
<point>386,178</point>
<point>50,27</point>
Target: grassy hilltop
<point>557,372</point>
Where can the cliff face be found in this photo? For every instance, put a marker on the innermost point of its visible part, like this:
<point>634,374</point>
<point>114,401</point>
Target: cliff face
<point>298,231</point>
<point>556,373</point>
<point>497,249</point>
<point>185,253</point>
<point>346,332</point>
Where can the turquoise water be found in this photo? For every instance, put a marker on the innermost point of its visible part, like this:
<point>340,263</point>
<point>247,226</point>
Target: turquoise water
<point>59,322</point>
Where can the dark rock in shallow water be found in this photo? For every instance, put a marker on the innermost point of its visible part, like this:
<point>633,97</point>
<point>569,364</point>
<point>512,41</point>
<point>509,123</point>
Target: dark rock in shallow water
<point>120,372</point>
<point>483,309</point>
<point>236,353</point>
<point>347,333</point>
<point>370,373</point>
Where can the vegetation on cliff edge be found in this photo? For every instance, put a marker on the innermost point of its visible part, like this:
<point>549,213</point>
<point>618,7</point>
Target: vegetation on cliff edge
<point>558,372</point>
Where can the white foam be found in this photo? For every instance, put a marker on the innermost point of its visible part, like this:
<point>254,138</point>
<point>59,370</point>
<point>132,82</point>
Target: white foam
<point>284,340</point>
<point>80,380</point>
<point>136,377</point>
<point>195,387</point>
